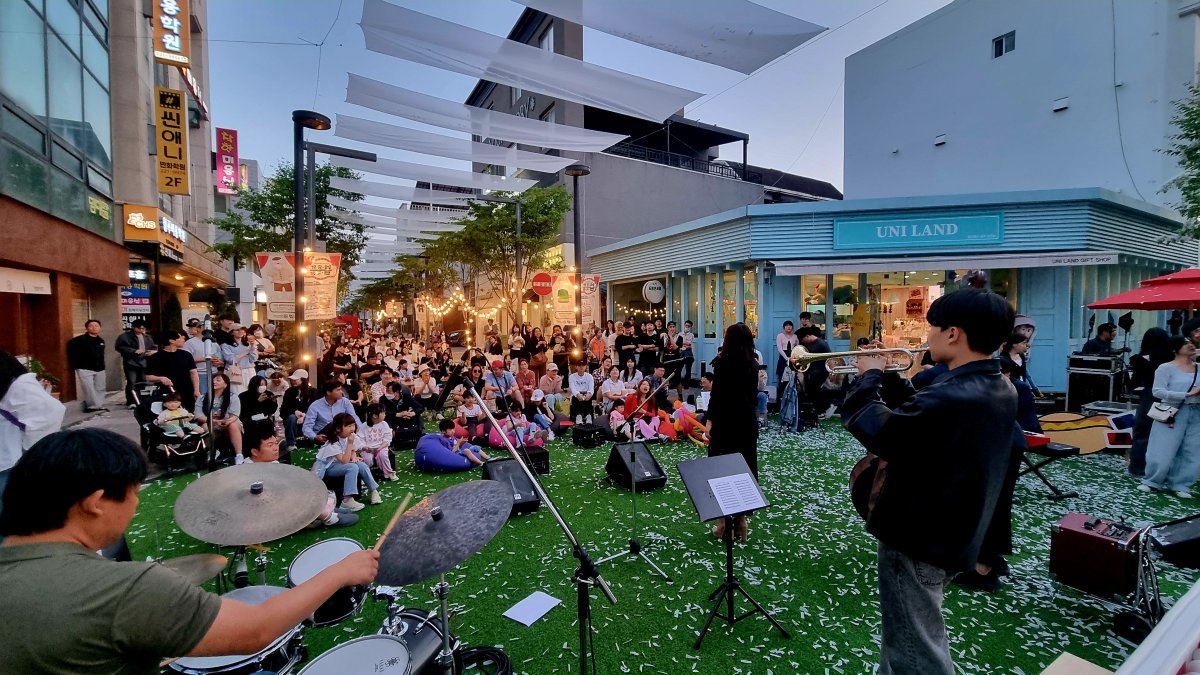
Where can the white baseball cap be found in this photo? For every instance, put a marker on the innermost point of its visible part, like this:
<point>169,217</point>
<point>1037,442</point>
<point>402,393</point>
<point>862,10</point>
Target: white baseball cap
<point>298,374</point>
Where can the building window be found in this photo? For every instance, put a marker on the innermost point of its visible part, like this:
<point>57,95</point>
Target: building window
<point>1004,44</point>
<point>514,95</point>
<point>547,40</point>
<point>22,58</point>
<point>550,115</point>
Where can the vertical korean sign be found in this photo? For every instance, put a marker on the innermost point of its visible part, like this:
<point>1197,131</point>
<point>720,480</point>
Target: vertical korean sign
<point>172,33</point>
<point>591,300</point>
<point>227,162</point>
<point>278,272</point>
<point>170,121</point>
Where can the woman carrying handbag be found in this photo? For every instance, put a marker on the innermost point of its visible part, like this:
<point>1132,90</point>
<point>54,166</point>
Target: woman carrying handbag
<point>1173,454</point>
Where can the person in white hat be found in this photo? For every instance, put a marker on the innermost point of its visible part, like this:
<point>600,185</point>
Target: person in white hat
<point>551,386</point>
<point>295,401</point>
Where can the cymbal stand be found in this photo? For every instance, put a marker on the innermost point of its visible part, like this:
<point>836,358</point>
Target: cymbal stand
<point>635,547</point>
<point>261,560</point>
<point>392,624</point>
<point>586,575</point>
<point>446,656</point>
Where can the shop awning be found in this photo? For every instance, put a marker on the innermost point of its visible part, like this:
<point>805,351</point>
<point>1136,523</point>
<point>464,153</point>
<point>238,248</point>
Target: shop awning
<point>1003,261</point>
<point>1178,290</point>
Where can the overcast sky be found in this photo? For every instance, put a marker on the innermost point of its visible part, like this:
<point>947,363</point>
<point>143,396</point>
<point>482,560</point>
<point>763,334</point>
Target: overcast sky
<point>261,69</point>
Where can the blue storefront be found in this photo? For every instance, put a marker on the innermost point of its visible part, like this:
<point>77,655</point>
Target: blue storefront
<point>871,267</point>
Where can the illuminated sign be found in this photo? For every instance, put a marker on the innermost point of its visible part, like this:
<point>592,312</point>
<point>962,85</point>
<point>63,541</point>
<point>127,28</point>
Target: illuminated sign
<point>227,162</point>
<point>172,32</point>
<point>171,141</point>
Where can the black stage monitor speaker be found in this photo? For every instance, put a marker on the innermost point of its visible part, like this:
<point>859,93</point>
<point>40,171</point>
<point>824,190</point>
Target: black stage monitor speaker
<point>507,471</point>
<point>1179,541</point>
<point>1088,387</point>
<point>642,467</point>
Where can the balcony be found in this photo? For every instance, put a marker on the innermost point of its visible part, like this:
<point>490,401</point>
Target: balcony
<point>686,162</point>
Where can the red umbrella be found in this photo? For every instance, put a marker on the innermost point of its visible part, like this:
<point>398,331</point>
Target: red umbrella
<point>1178,290</point>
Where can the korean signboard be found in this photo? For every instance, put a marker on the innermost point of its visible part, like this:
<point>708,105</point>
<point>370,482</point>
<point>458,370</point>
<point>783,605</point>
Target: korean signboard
<point>135,298</point>
<point>278,273</point>
<point>558,290</point>
<point>170,139</point>
<point>172,32</point>
<point>227,162</point>
<point>146,223</point>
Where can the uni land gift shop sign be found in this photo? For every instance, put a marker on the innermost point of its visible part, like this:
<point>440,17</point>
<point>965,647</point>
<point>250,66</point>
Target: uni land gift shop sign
<point>918,232</point>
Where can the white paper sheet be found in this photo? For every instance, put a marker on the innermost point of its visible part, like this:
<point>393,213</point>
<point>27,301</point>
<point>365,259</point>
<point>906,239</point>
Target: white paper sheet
<point>532,608</point>
<point>438,112</point>
<point>736,34</point>
<point>736,493</point>
<point>421,38</point>
<point>406,193</point>
<point>434,174</point>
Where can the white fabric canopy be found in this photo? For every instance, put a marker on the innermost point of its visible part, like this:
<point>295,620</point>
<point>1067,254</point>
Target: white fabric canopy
<point>469,119</point>
<point>403,138</point>
<point>735,34</point>
<point>418,37</point>
<point>386,211</point>
<point>406,193</point>
<point>433,174</point>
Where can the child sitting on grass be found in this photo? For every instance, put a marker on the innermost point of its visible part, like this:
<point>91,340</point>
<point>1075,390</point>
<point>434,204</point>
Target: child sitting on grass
<point>459,445</point>
<point>377,440</point>
<point>175,420</point>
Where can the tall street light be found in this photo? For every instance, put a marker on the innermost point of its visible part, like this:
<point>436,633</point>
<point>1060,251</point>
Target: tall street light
<point>575,171</point>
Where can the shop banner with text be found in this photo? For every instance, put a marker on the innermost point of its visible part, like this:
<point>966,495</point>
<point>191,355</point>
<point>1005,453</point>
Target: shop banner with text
<point>172,32</point>
<point>557,288</point>
<point>278,273</point>
<point>227,162</point>
<point>171,139</point>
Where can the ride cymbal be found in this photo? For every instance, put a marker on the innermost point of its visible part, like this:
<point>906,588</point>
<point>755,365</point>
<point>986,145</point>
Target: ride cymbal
<point>250,504</point>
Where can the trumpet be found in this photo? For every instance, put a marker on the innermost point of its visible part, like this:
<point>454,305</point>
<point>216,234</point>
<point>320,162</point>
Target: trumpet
<point>899,360</point>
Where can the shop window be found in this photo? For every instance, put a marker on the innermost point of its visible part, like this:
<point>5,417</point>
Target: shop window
<point>902,299</point>
<point>845,301</point>
<point>750,293</point>
<point>813,293</point>
<point>729,298</point>
<point>677,299</point>
<point>710,305</point>
<point>22,58</point>
<point>693,309</point>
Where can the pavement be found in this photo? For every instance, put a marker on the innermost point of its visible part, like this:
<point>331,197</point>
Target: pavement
<point>119,419</point>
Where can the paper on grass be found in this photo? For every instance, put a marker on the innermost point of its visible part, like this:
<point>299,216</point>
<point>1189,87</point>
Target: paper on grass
<point>736,493</point>
<point>532,608</point>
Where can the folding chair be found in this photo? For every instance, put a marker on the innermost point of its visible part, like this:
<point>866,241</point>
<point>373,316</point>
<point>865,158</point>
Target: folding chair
<point>1047,452</point>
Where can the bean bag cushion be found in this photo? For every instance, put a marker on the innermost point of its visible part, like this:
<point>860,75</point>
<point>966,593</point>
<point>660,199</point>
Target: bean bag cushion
<point>431,456</point>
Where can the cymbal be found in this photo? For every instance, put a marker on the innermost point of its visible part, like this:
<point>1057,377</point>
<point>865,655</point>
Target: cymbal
<point>250,504</point>
<point>197,568</point>
<point>443,530</point>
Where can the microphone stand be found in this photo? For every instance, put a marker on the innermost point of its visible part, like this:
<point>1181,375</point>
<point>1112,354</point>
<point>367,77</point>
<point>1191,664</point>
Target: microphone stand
<point>210,453</point>
<point>586,575</point>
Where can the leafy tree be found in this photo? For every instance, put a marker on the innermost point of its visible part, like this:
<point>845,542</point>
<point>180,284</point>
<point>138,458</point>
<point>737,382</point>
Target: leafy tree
<point>1185,146</point>
<point>270,221</point>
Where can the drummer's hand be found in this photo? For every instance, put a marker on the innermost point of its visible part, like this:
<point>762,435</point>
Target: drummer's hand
<point>359,568</point>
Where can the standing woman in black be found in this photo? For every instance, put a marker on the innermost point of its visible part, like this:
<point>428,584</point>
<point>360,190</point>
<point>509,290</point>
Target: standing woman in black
<point>732,422</point>
<point>1154,353</point>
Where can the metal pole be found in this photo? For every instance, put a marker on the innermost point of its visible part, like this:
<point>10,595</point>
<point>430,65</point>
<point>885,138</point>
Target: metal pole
<point>308,339</point>
<point>577,207</point>
<point>518,247</point>
<point>298,230</point>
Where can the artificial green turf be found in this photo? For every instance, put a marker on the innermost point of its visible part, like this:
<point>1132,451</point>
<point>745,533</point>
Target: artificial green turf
<point>809,560</point>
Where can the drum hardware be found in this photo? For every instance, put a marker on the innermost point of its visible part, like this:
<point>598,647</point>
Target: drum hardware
<point>197,568</point>
<point>801,359</point>
<point>281,656</point>
<point>446,656</point>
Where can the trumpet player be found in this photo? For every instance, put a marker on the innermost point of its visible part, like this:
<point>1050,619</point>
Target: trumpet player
<point>947,449</point>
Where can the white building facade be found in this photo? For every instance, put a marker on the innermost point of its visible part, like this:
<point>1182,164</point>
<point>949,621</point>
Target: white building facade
<point>1012,95</point>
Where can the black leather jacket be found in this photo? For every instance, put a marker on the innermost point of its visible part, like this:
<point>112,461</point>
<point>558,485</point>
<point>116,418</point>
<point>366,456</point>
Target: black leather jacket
<point>947,446</point>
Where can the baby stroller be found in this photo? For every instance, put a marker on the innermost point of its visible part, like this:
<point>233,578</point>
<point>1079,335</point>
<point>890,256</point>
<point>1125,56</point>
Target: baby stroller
<point>171,452</point>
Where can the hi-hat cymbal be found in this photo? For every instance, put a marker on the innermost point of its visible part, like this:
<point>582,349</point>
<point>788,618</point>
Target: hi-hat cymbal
<point>443,530</point>
<point>197,568</point>
<point>250,504</point>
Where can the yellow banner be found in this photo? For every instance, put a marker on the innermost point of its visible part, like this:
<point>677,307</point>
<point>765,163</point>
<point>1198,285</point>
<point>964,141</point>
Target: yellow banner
<point>171,138</point>
<point>172,32</point>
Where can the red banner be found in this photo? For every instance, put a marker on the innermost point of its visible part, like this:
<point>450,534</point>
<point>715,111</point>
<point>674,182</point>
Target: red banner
<point>227,162</point>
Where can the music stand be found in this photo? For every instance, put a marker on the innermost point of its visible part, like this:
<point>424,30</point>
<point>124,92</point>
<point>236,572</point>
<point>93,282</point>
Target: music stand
<point>736,493</point>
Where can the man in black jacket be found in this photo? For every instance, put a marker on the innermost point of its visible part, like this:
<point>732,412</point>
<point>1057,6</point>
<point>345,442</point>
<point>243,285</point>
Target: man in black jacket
<point>135,347</point>
<point>85,355</point>
<point>947,449</point>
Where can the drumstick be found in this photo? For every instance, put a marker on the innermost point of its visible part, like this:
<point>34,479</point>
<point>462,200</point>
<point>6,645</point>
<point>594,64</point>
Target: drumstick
<point>392,523</point>
<point>167,662</point>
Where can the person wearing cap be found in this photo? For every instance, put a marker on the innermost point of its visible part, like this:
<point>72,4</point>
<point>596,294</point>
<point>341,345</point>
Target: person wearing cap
<point>582,388</point>
<point>277,382</point>
<point>296,399</point>
<point>551,386</point>
<point>201,354</point>
<point>542,413</point>
<point>500,383</point>
<point>425,388</point>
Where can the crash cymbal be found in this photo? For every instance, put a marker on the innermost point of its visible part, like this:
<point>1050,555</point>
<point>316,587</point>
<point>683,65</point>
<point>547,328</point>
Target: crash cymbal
<point>443,530</point>
<point>197,568</point>
<point>250,504</point>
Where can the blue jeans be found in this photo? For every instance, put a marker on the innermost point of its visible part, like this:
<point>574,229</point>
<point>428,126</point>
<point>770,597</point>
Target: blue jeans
<point>542,422</point>
<point>3,484</point>
<point>290,427</point>
<point>913,636</point>
<point>554,400</point>
<point>350,472</point>
<point>1173,454</point>
<point>761,408</point>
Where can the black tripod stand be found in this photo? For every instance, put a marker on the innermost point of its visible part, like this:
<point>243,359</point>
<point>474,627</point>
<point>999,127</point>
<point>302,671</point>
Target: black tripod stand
<point>726,591</point>
<point>635,547</point>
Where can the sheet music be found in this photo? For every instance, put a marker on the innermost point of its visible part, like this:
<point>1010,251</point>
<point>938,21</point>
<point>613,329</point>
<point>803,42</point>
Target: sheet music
<point>736,493</point>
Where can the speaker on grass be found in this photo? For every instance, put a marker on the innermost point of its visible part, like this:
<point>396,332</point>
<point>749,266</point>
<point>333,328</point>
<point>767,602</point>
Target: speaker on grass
<point>630,463</point>
<point>507,471</point>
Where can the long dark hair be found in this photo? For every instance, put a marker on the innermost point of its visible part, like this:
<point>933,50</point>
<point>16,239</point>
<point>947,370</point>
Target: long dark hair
<point>1154,346</point>
<point>10,370</point>
<point>738,346</point>
<point>1013,340</point>
<point>339,421</point>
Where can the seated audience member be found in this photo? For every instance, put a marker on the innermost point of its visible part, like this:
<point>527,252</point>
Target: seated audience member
<point>403,410</point>
<point>613,391</point>
<point>582,388</point>
<point>445,440</point>
<point>640,414</point>
<point>630,375</point>
<point>221,408</point>
<point>380,387</point>
<point>175,420</point>
<point>519,429</point>
<point>339,458</point>
<point>426,389</point>
<point>542,413</point>
<point>296,400</point>
<point>377,441</point>
<point>500,387</point>
<point>258,406</point>
<point>527,380</point>
<point>703,397</point>
<point>322,411</point>
<point>472,381</point>
<point>469,416</point>
<point>68,610</point>
<point>656,379</point>
<point>264,449</point>
<point>551,385</point>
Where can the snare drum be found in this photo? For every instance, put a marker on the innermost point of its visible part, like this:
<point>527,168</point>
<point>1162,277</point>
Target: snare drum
<point>421,633</point>
<point>280,656</point>
<point>370,654</point>
<point>315,559</point>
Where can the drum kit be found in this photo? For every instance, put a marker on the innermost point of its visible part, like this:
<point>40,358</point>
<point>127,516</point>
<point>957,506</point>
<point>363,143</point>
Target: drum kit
<point>247,505</point>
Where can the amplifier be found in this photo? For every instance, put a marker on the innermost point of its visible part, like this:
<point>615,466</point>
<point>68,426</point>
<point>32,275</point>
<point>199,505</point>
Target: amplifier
<point>1179,541</point>
<point>1089,386</point>
<point>1103,364</point>
<point>1094,555</point>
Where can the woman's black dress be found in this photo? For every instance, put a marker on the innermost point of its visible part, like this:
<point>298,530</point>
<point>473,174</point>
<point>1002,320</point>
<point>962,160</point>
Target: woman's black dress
<point>731,409</point>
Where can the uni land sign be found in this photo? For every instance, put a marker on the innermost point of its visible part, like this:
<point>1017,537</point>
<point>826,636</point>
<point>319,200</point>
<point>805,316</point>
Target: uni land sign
<point>918,232</point>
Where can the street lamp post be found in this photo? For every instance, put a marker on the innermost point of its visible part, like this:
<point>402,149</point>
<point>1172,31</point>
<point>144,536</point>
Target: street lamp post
<point>575,171</point>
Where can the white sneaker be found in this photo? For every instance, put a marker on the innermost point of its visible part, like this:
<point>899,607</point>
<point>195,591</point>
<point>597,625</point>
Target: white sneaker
<point>375,498</point>
<point>238,459</point>
<point>1145,488</point>
<point>1183,494</point>
<point>549,435</point>
<point>353,504</point>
